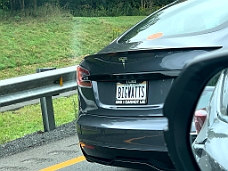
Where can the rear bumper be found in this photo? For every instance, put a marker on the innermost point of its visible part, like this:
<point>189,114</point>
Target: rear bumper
<point>150,160</point>
<point>124,141</point>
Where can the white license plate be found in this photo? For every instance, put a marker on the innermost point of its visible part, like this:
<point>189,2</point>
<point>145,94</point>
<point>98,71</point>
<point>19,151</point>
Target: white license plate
<point>131,93</point>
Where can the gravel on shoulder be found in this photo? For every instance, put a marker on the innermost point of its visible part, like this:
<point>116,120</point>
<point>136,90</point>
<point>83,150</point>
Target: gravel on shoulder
<point>37,139</point>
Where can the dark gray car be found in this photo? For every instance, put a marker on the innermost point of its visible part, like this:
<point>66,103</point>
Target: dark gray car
<point>122,88</point>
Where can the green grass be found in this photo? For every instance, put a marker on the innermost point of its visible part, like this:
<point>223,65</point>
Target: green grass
<point>27,44</point>
<point>15,124</point>
<point>56,42</point>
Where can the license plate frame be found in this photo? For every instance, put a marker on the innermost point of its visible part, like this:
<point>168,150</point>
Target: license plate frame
<point>131,93</point>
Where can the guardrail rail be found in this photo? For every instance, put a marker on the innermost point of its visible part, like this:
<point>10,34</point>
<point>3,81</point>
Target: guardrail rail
<point>41,85</point>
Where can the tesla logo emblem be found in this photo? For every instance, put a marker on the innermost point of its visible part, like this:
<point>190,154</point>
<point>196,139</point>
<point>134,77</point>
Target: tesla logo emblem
<point>123,59</point>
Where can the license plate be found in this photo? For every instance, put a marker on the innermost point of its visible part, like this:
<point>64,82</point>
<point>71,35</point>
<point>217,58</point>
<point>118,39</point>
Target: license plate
<point>131,93</point>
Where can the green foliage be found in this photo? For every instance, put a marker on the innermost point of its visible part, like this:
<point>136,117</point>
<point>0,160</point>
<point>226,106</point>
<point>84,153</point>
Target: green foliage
<point>85,8</point>
<point>24,43</point>
<point>27,120</point>
<point>115,33</point>
<point>28,43</point>
<point>4,4</point>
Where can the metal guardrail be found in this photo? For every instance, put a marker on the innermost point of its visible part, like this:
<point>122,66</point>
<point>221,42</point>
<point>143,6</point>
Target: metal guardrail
<point>41,85</point>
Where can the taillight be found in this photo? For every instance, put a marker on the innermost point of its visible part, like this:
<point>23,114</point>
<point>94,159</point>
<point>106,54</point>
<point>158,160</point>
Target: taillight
<point>82,79</point>
<point>199,119</point>
<point>83,145</point>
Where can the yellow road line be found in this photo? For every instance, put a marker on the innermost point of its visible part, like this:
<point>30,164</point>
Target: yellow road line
<point>64,164</point>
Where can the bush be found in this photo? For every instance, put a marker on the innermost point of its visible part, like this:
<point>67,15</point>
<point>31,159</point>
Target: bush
<point>46,10</point>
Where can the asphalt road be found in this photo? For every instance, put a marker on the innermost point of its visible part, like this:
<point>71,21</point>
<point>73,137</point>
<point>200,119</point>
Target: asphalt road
<point>63,155</point>
<point>49,151</point>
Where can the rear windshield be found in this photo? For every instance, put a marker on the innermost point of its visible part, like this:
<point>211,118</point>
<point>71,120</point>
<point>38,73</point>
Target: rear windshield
<point>181,18</point>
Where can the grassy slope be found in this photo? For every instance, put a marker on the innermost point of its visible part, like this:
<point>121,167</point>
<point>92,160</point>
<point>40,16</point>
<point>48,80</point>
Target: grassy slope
<point>55,42</point>
<point>58,42</point>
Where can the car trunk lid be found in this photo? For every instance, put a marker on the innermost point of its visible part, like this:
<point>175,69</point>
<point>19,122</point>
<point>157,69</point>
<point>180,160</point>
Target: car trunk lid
<point>137,81</point>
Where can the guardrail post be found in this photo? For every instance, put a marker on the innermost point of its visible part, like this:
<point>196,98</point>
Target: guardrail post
<point>47,108</point>
<point>47,113</point>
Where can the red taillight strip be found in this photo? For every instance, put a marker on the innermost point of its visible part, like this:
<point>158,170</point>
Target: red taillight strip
<point>83,145</point>
<point>81,74</point>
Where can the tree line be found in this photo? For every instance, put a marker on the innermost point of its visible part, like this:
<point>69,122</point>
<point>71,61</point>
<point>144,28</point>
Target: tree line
<point>89,7</point>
